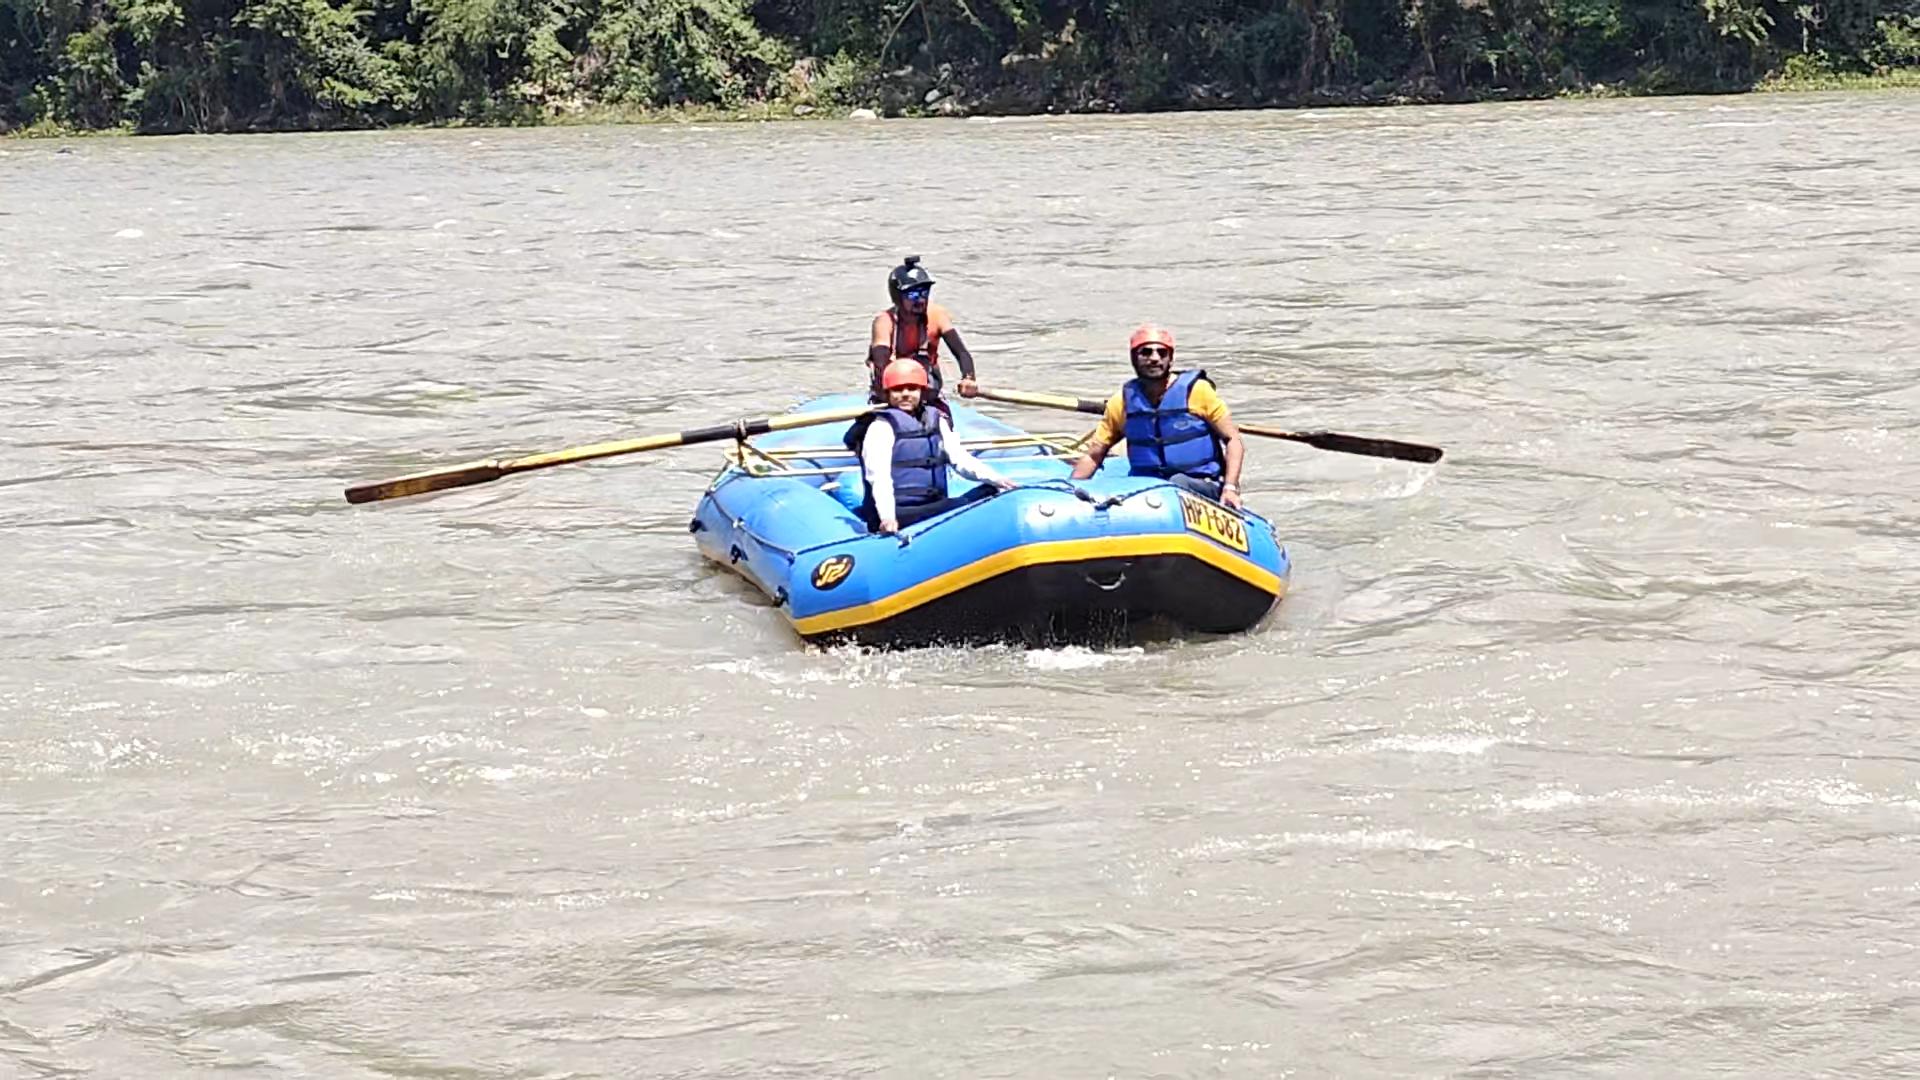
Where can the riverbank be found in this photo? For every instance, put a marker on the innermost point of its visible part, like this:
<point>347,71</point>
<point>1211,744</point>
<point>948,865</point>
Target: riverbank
<point>586,116</point>
<point>958,106</point>
<point>1897,79</point>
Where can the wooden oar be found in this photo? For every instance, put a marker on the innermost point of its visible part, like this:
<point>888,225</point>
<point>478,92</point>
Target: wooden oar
<point>480,472</point>
<point>1321,440</point>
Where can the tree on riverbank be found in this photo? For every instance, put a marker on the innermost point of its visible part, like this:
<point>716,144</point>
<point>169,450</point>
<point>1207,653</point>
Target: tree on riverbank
<point>225,65</point>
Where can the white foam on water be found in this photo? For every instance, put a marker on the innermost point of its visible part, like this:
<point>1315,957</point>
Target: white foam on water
<point>1080,658</point>
<point>282,748</point>
<point>1437,744</point>
<point>444,740</point>
<point>1413,481</point>
<point>428,386</point>
<point>98,753</point>
<point>1810,794</point>
<point>861,668</point>
<point>1548,800</point>
<point>97,706</point>
<point>201,679</point>
<point>129,234</point>
<point>1356,839</point>
<point>994,721</point>
<point>1840,793</point>
<point>1389,840</point>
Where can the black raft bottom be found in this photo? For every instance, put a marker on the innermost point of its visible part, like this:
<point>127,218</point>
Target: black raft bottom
<point>1092,602</point>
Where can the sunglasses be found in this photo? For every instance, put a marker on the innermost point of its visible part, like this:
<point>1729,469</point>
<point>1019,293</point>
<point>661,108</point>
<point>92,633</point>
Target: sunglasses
<point>1153,350</point>
<point>918,292</point>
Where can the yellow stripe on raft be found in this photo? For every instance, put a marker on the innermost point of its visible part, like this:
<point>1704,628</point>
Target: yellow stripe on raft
<point>1053,551</point>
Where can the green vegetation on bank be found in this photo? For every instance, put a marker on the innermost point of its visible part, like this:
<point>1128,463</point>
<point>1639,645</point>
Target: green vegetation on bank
<point>236,65</point>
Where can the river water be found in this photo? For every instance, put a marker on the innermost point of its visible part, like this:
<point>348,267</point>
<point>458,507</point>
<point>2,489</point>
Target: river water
<point>1587,752</point>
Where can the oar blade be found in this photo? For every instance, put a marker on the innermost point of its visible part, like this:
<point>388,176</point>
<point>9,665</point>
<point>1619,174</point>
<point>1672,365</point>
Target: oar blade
<point>473,472</point>
<point>1382,448</point>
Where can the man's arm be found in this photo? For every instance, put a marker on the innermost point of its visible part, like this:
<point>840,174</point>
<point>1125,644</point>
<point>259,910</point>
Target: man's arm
<point>964,463</point>
<point>959,350</point>
<point>879,349</point>
<point>876,461</point>
<point>1235,449</point>
<point>1092,455</point>
<point>1203,399</point>
<point>1112,424</point>
<point>940,324</point>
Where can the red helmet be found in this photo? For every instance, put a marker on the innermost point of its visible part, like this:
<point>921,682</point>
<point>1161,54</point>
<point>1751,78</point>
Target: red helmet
<point>905,371</point>
<point>1149,334</point>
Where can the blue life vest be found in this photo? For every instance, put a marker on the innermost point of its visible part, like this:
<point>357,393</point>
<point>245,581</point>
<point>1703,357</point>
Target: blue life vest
<point>1167,438</point>
<point>919,465</point>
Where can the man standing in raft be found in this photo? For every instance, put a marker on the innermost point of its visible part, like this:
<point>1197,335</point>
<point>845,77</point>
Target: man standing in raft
<point>1175,426</point>
<point>906,451</point>
<point>914,329</point>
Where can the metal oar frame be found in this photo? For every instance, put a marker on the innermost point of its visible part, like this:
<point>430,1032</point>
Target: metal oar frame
<point>754,461</point>
<point>757,462</point>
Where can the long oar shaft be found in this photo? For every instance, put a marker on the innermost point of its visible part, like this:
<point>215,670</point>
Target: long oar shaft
<point>1046,401</point>
<point>1321,440</point>
<point>488,469</point>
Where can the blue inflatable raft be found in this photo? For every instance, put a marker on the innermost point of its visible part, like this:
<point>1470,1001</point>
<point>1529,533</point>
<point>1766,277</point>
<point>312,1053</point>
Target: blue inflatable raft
<point>1052,560</point>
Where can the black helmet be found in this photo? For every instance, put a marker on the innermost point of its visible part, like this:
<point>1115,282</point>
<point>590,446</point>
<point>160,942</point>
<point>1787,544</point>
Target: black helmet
<point>909,274</point>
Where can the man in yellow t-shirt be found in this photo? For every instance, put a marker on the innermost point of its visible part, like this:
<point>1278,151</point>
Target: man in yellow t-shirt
<point>1174,424</point>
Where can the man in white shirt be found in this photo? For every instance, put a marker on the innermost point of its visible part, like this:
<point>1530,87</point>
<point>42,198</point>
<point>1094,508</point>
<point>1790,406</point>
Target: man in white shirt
<point>906,451</point>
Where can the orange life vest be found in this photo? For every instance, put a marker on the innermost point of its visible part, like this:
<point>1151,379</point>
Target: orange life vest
<point>915,338</point>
